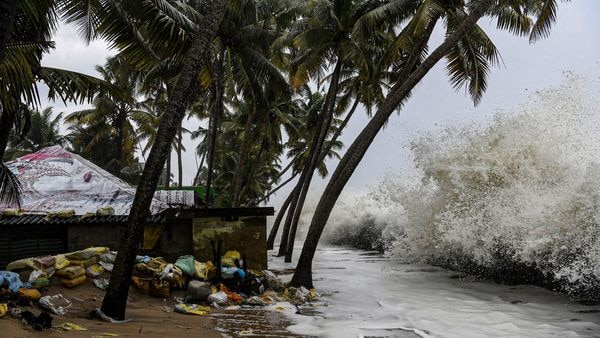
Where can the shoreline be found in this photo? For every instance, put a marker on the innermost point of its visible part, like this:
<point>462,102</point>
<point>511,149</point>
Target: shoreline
<point>151,317</point>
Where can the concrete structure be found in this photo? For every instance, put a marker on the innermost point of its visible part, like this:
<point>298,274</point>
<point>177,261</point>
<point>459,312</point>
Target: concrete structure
<point>170,234</point>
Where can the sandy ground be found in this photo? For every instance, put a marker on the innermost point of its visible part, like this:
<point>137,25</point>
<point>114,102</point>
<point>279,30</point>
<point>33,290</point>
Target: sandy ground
<point>150,317</point>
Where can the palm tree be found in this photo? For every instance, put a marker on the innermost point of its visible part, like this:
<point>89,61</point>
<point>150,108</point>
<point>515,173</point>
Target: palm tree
<point>44,131</point>
<point>115,300</point>
<point>24,39</point>
<point>116,118</point>
<point>469,51</point>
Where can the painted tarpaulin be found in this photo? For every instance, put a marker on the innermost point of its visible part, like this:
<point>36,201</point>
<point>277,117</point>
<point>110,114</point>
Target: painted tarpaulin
<point>56,180</point>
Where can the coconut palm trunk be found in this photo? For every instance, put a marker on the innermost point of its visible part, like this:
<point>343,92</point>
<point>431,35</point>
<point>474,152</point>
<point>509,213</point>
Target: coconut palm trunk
<point>276,224</point>
<point>213,127</point>
<point>179,159</point>
<point>115,299</point>
<point>8,10</point>
<point>314,156</point>
<point>5,128</point>
<point>354,154</point>
<point>238,177</point>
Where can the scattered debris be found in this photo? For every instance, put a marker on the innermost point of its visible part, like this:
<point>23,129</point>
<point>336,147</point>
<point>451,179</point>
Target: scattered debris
<point>70,327</point>
<point>56,304</point>
<point>193,309</point>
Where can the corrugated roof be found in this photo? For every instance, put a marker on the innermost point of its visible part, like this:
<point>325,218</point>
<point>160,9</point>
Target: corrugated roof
<point>43,219</point>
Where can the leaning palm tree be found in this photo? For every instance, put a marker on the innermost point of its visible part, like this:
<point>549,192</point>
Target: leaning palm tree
<point>115,300</point>
<point>331,35</point>
<point>469,53</point>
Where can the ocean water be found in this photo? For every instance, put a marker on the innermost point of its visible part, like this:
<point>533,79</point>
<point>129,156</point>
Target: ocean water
<point>514,199</point>
<point>366,294</point>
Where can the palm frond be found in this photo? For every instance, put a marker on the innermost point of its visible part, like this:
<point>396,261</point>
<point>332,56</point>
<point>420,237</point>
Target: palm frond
<point>10,187</point>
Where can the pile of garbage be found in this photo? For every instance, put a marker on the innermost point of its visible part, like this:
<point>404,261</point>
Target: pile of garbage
<point>228,284</point>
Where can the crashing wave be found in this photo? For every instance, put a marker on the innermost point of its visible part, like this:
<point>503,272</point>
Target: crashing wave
<point>516,199</point>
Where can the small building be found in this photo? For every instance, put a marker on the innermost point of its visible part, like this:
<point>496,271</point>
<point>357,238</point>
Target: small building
<point>70,204</point>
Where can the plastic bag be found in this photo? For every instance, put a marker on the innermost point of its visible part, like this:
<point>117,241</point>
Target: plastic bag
<point>45,261</point>
<point>186,264</point>
<point>56,304</point>
<point>228,259</point>
<point>93,271</point>
<point>192,309</point>
<point>107,266</point>
<point>41,282</point>
<point>101,283</point>
<point>11,279</point>
<point>197,292</point>
<point>160,288</point>
<point>108,257</point>
<point>31,294</point>
<point>200,270</point>
<point>218,297</point>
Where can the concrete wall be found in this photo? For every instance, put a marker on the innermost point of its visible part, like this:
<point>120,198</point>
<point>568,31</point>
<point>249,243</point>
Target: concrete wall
<point>247,235</point>
<point>83,235</point>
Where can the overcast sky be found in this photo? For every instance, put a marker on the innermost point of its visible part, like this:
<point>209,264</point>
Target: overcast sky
<point>574,45</point>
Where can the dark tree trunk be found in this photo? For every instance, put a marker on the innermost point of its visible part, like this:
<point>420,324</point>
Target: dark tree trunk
<point>115,299</point>
<point>197,180</point>
<point>168,169</point>
<point>314,157</point>
<point>213,126</point>
<point>8,11</point>
<point>354,154</point>
<point>238,177</point>
<point>275,228</point>
<point>179,159</point>
<point>281,173</point>
<point>285,234</point>
<point>6,125</point>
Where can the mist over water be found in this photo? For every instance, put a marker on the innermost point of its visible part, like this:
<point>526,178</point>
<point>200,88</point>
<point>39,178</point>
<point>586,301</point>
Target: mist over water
<point>516,198</point>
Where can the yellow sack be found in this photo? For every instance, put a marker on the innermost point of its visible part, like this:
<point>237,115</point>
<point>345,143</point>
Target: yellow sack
<point>31,294</point>
<point>71,283</point>
<point>70,327</point>
<point>71,272</point>
<point>94,271</point>
<point>84,263</point>
<point>210,271</point>
<point>24,263</point>
<point>200,270</point>
<point>87,253</point>
<point>228,258</point>
<point>3,309</point>
<point>192,309</point>
<point>61,262</point>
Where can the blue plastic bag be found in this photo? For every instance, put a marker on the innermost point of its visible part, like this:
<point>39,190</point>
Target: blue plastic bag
<point>11,279</point>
